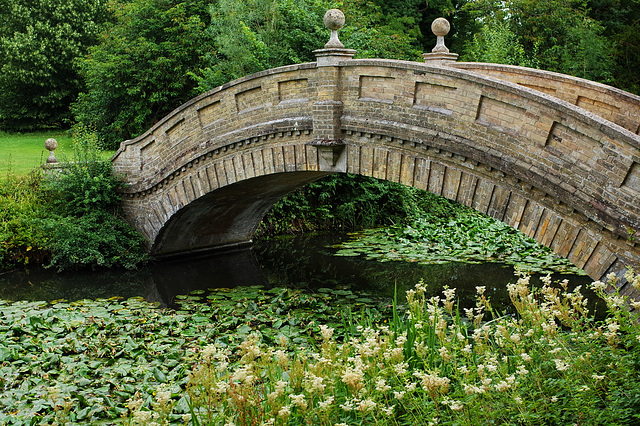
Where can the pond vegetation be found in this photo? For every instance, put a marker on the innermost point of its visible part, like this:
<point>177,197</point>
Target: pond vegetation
<point>282,356</point>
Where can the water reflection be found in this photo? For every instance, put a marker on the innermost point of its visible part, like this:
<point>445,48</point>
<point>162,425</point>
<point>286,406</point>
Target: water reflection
<point>304,261</point>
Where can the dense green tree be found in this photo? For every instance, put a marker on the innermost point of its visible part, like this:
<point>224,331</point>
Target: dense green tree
<point>556,35</point>
<point>39,43</point>
<point>253,35</point>
<point>143,67</point>
<point>621,20</point>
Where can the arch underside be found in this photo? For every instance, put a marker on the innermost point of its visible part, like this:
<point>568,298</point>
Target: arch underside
<point>228,215</point>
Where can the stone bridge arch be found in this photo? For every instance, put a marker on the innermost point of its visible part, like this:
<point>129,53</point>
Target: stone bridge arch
<point>204,176</point>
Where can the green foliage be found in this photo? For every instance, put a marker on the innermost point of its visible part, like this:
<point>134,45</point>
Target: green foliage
<point>89,362</point>
<point>255,35</point>
<point>621,20</point>
<point>22,240</point>
<point>553,35</point>
<point>141,69</point>
<point>85,229</point>
<point>499,45</point>
<point>551,364</point>
<point>86,183</point>
<point>343,202</point>
<point>251,36</point>
<point>39,43</point>
<point>250,355</point>
<point>463,235</point>
<point>94,239</point>
<point>68,219</point>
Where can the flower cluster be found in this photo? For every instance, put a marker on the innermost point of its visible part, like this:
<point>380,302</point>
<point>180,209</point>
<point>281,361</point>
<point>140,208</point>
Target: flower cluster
<point>431,366</point>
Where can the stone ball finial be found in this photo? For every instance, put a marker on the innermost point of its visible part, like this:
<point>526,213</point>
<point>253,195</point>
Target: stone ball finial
<point>440,27</point>
<point>334,20</point>
<point>51,145</point>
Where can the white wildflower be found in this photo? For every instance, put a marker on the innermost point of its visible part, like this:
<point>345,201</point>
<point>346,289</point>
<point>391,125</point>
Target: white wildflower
<point>472,389</point>
<point>326,403</point>
<point>561,365</point>
<point>284,411</point>
<point>366,405</point>
<point>326,332</point>
<point>382,386</point>
<point>298,401</point>
<point>398,395</point>
<point>502,386</point>
<point>388,411</point>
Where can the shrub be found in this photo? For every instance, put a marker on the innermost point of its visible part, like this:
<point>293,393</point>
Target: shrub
<point>346,201</point>
<point>22,241</point>
<point>95,239</point>
<point>84,227</point>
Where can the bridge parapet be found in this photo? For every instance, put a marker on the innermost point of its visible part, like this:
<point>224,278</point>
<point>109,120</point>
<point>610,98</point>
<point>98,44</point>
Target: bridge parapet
<point>612,104</point>
<point>583,160</point>
<point>244,111</point>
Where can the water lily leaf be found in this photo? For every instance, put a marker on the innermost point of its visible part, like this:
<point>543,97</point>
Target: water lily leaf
<point>244,329</point>
<point>159,375</point>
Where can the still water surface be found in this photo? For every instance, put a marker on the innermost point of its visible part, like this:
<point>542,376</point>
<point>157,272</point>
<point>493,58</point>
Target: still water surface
<point>304,262</point>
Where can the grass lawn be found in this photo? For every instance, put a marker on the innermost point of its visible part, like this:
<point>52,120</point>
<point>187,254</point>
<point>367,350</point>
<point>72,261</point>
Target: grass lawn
<point>22,152</point>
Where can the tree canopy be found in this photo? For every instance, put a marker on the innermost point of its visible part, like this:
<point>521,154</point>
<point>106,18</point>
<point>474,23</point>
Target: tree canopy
<point>124,64</point>
<point>142,68</point>
<point>40,41</point>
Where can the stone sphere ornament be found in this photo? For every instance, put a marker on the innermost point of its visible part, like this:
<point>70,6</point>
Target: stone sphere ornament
<point>334,20</point>
<point>440,28</point>
<point>51,145</point>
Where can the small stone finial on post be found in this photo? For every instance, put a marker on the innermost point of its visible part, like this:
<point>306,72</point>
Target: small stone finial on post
<point>440,53</point>
<point>51,145</point>
<point>333,51</point>
<point>334,20</point>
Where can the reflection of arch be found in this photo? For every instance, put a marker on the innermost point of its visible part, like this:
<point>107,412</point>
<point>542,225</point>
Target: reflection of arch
<point>204,175</point>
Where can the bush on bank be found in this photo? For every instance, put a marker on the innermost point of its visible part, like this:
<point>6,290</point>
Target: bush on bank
<point>350,202</point>
<point>67,219</point>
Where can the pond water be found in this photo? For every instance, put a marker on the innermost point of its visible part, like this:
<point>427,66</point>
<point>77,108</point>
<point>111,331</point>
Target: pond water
<point>303,262</point>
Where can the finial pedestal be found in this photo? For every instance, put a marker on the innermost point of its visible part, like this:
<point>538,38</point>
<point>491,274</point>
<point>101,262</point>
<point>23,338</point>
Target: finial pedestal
<point>440,53</point>
<point>334,51</point>
<point>51,145</point>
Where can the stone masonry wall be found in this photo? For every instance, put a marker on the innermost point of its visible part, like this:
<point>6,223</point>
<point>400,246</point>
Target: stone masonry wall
<point>560,174</point>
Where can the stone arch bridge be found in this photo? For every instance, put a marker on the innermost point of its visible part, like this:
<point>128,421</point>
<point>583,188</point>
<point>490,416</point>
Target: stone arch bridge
<point>554,156</point>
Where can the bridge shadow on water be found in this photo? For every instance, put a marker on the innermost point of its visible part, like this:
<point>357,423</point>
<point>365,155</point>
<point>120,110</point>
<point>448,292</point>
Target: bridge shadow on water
<point>305,262</point>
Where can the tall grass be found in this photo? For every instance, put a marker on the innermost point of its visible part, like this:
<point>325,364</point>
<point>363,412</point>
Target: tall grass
<point>550,364</point>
